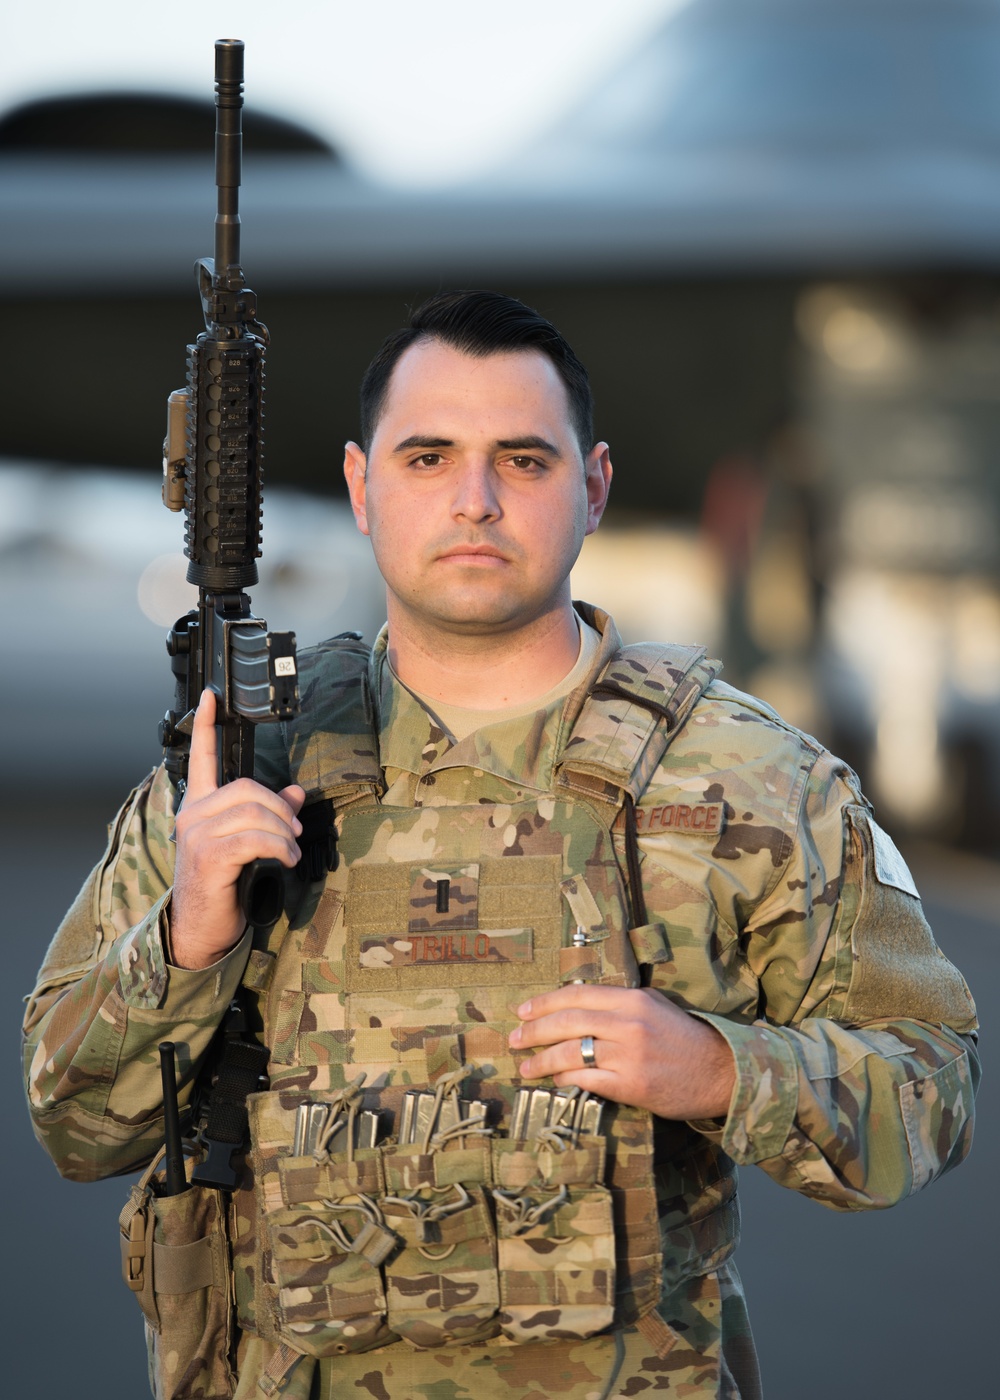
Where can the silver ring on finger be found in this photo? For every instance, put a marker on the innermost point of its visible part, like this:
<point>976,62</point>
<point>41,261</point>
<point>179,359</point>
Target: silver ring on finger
<point>587,1052</point>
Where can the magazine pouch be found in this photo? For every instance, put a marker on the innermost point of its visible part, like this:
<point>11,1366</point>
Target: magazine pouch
<point>555,1240</point>
<point>442,1284</point>
<point>327,1240</point>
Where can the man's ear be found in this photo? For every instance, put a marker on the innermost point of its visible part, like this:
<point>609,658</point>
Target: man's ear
<point>355,472</point>
<point>598,473</point>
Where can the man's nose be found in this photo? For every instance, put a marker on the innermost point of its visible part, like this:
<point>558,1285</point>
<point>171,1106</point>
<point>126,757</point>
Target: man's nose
<point>475,495</point>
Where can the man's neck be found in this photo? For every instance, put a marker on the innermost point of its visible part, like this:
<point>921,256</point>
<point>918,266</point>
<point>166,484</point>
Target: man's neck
<point>484,672</point>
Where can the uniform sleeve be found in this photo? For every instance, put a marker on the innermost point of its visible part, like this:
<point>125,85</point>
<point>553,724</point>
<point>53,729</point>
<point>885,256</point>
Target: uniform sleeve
<point>106,997</point>
<point>856,1077</point>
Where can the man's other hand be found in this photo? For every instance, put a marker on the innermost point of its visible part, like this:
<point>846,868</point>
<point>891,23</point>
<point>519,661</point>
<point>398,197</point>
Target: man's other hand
<point>648,1052</point>
<point>218,831</point>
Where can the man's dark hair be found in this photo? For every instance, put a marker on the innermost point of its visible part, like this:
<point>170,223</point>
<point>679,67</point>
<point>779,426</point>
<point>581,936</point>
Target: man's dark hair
<point>479,323</point>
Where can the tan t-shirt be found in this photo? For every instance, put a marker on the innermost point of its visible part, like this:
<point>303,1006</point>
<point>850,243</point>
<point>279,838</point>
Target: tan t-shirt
<point>459,721</point>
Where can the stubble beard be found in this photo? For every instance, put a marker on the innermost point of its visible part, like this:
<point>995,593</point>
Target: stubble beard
<point>472,608</point>
<point>468,612</point>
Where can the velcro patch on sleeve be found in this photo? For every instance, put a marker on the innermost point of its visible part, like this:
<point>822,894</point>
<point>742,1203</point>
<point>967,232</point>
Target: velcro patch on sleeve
<point>890,867</point>
<point>898,971</point>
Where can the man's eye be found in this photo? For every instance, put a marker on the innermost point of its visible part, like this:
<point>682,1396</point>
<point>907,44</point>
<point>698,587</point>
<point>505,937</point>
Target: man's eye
<point>428,459</point>
<point>523,463</point>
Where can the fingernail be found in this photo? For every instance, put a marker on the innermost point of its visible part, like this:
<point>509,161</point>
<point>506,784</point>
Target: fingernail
<point>297,827</point>
<point>524,1069</point>
<point>524,1009</point>
<point>515,1036</point>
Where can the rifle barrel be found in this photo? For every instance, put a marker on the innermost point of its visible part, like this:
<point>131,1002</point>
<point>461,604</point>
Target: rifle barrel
<point>228,156</point>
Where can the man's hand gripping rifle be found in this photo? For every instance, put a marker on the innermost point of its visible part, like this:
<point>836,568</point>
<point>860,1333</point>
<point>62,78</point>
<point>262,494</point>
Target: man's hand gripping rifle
<point>212,471</point>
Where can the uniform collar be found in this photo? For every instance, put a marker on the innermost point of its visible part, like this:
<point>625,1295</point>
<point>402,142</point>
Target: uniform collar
<point>522,751</point>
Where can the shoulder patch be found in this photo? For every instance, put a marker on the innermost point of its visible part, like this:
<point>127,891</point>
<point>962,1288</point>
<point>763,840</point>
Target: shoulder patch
<point>890,867</point>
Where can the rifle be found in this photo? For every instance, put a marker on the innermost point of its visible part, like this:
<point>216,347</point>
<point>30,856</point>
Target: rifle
<point>212,471</point>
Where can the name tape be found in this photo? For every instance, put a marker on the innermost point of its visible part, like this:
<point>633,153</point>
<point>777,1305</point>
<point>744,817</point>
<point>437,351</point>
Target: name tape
<point>700,819</point>
<point>419,949</point>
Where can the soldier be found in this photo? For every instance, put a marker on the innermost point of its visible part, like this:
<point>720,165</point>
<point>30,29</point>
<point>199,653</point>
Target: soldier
<point>601,929</point>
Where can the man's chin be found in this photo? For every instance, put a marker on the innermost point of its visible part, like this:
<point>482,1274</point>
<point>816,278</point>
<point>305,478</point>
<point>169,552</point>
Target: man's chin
<point>481,621</point>
<point>475,615</point>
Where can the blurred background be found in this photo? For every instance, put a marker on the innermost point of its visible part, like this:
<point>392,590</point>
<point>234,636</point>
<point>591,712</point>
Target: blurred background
<point>770,228</point>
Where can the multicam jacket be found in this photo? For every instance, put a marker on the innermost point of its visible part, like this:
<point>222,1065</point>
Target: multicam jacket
<point>774,908</point>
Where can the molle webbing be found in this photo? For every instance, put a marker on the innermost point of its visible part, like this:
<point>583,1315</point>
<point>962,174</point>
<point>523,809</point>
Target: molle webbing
<point>638,703</point>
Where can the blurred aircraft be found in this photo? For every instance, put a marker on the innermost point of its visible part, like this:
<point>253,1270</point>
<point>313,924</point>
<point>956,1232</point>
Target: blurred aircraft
<point>683,225</point>
<point>667,221</point>
<point>772,134</point>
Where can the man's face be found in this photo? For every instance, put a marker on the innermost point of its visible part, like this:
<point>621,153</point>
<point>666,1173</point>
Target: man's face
<point>474,492</point>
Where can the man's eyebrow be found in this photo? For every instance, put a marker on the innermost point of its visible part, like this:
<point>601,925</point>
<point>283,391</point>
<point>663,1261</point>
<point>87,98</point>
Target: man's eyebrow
<point>531,443</point>
<point>427,443</point>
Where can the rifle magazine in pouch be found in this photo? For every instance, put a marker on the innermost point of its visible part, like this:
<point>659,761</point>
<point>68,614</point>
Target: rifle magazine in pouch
<point>175,1258</point>
<point>441,1285</point>
<point>555,1240</point>
<point>327,1241</point>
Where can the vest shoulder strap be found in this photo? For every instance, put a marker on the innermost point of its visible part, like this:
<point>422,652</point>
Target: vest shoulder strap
<point>331,749</point>
<point>638,703</point>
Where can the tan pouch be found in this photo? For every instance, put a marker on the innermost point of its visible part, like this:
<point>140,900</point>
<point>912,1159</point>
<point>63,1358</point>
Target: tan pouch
<point>327,1243</point>
<point>638,1246</point>
<point>175,1259</point>
<point>441,1285</point>
<point>555,1240</point>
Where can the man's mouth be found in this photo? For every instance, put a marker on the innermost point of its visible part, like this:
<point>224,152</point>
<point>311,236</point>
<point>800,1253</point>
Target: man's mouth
<point>473,553</point>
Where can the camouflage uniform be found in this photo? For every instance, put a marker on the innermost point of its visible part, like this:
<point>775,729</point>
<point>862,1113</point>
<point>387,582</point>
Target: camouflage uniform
<point>776,910</point>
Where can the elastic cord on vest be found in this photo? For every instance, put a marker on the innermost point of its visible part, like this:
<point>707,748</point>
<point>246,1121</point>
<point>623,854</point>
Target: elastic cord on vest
<point>636,897</point>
